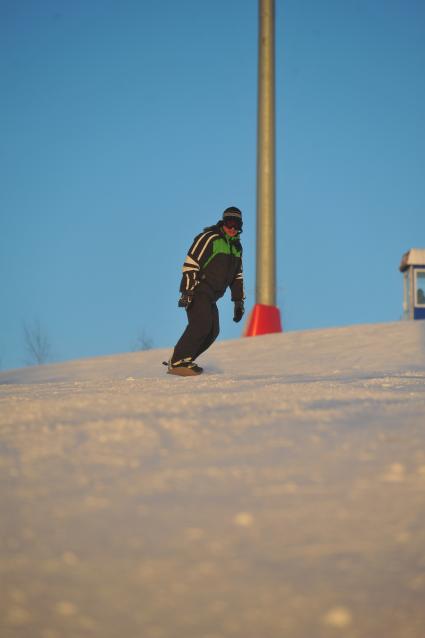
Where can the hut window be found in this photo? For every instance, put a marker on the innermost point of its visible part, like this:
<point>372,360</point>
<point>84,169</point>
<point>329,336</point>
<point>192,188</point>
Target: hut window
<point>420,288</point>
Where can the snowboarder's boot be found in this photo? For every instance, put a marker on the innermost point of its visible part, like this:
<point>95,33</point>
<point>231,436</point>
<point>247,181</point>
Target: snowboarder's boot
<point>183,368</point>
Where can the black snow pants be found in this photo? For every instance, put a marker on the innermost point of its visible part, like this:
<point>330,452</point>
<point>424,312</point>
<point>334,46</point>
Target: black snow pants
<point>202,329</point>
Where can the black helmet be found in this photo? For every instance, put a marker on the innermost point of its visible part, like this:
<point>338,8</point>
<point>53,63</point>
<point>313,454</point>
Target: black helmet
<point>234,214</point>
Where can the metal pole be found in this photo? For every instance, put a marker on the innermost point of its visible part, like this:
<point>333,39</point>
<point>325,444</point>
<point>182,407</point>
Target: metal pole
<point>265,316</point>
<point>266,251</point>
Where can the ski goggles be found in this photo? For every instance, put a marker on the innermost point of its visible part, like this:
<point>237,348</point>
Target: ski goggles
<point>233,222</point>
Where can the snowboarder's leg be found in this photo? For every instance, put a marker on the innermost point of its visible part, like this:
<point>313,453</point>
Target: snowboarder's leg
<point>213,334</point>
<point>200,316</point>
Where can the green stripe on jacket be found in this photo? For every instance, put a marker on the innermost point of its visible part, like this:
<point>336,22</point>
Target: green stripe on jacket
<point>222,246</point>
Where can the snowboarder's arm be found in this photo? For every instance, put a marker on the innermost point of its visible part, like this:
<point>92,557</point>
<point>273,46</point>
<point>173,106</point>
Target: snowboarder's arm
<point>236,287</point>
<point>198,254</point>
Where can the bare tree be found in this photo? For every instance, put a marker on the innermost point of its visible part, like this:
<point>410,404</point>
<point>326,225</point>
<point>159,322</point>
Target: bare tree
<point>143,342</point>
<point>37,344</point>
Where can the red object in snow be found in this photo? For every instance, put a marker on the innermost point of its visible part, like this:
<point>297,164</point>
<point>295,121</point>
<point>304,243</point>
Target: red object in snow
<point>263,320</point>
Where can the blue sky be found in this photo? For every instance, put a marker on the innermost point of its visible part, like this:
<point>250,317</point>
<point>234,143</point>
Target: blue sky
<point>128,126</point>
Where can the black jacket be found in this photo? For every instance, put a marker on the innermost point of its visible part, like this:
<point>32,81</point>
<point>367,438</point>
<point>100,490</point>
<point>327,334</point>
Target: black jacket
<point>213,263</point>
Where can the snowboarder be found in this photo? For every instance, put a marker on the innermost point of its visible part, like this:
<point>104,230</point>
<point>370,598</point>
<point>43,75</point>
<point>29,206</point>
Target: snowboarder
<point>213,263</point>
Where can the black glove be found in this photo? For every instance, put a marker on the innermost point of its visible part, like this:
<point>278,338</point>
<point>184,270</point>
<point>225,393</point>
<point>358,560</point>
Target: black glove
<point>185,300</point>
<point>238,311</point>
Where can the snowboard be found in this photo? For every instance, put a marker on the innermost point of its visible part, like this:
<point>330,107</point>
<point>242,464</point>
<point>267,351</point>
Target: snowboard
<point>183,372</point>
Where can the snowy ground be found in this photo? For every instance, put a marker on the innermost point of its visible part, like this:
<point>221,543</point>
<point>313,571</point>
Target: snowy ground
<point>282,494</point>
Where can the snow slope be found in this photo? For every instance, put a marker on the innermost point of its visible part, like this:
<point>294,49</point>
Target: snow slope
<point>280,494</point>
